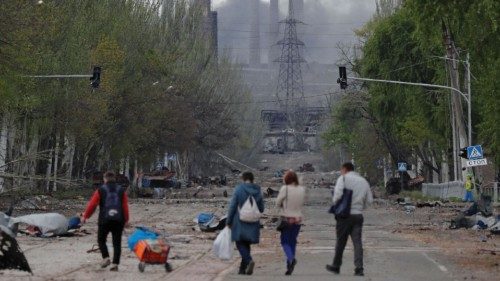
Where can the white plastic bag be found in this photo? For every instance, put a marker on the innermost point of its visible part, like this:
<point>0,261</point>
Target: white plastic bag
<point>223,246</point>
<point>249,212</point>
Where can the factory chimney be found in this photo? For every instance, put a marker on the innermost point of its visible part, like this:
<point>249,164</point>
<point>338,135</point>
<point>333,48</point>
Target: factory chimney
<point>274,15</point>
<point>298,9</point>
<point>254,51</point>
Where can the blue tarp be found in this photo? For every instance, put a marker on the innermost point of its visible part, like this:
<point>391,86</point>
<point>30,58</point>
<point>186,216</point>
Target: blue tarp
<point>205,218</point>
<point>141,233</point>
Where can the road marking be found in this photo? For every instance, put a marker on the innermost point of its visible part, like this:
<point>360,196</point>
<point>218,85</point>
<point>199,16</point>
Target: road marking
<point>440,266</point>
<point>227,271</point>
<point>319,250</point>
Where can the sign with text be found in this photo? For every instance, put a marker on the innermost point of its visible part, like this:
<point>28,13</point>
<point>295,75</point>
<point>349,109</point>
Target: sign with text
<point>477,162</point>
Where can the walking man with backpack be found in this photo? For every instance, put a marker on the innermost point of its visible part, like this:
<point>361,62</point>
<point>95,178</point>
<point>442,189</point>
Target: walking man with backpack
<point>243,219</point>
<point>113,215</point>
<point>350,223</point>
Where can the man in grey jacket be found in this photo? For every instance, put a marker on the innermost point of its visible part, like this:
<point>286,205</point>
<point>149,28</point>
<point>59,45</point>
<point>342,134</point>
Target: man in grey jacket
<point>351,226</point>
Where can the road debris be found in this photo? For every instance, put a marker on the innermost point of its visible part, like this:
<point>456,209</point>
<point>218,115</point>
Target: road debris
<point>11,256</point>
<point>45,225</point>
<point>306,167</point>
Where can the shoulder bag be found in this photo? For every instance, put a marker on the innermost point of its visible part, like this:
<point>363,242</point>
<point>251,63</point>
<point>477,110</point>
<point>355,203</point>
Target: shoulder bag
<point>342,209</point>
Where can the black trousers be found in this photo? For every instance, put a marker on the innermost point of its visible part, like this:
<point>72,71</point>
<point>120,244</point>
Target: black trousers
<point>351,226</point>
<point>116,230</point>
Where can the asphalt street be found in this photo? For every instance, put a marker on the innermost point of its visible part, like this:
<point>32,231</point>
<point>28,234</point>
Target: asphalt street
<point>387,256</point>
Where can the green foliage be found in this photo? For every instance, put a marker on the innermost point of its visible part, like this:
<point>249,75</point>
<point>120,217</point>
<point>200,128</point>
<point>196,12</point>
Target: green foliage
<point>162,88</point>
<point>405,44</point>
<point>476,29</point>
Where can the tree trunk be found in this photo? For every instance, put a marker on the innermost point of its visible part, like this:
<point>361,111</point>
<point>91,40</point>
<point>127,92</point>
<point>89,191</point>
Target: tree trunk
<point>56,161</point>
<point>22,167</point>
<point>48,172</point>
<point>32,150</point>
<point>71,156</point>
<point>136,174</point>
<point>11,139</point>
<point>3,149</point>
<point>127,167</point>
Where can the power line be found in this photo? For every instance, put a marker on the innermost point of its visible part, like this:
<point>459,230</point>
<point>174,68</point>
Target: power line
<point>300,33</point>
<point>266,48</point>
<point>225,103</point>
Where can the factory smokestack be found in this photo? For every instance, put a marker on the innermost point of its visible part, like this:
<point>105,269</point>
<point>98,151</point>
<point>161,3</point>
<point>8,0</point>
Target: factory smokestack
<point>274,15</point>
<point>204,5</point>
<point>214,33</point>
<point>254,52</point>
<point>298,9</point>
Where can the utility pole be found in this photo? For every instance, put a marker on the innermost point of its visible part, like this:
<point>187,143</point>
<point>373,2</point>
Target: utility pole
<point>469,104</point>
<point>457,111</point>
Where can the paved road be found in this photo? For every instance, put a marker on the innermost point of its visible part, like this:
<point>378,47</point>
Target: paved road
<point>387,257</point>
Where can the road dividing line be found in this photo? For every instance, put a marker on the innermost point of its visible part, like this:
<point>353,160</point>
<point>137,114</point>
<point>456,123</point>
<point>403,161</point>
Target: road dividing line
<point>440,266</point>
<point>225,272</point>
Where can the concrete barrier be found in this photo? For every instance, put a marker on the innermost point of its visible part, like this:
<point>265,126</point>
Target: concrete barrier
<point>444,190</point>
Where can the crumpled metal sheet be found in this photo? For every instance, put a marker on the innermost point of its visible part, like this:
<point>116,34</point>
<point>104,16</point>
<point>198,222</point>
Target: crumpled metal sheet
<point>11,256</point>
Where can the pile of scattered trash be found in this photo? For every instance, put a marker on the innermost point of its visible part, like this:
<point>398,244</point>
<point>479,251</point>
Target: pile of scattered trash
<point>410,207</point>
<point>479,215</point>
<point>209,222</point>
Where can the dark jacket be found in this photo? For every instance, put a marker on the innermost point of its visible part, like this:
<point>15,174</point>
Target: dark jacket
<point>99,199</point>
<point>243,231</point>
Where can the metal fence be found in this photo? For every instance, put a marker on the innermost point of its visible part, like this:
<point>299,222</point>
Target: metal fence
<point>444,190</point>
<point>456,189</point>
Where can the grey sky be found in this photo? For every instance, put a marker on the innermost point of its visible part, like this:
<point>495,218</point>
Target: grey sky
<point>328,22</point>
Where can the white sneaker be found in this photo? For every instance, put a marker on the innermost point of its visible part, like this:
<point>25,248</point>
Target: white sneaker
<point>114,267</point>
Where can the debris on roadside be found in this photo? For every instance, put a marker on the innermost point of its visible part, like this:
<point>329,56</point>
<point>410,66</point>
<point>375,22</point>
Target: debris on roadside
<point>209,222</point>
<point>396,185</point>
<point>271,193</point>
<point>409,209</point>
<point>11,256</point>
<point>45,225</point>
<point>279,173</point>
<point>306,167</point>
<point>479,215</point>
<point>430,204</point>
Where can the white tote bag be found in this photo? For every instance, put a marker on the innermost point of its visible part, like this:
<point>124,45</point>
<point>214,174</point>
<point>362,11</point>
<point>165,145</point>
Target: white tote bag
<point>249,212</point>
<point>223,246</point>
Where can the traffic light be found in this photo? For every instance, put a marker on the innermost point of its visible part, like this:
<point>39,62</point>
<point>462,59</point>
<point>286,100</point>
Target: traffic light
<point>95,80</point>
<point>463,153</point>
<point>342,80</point>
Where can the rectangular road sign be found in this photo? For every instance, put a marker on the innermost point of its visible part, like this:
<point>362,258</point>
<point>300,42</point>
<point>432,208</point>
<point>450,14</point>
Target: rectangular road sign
<point>477,162</point>
<point>475,152</point>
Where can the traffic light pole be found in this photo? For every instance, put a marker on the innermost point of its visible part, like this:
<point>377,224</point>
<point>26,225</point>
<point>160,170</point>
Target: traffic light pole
<point>95,78</point>
<point>60,76</point>
<point>469,101</point>
<point>467,97</point>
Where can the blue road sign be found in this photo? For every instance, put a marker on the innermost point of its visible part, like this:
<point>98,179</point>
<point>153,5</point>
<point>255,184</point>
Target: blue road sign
<point>475,152</point>
<point>402,167</point>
